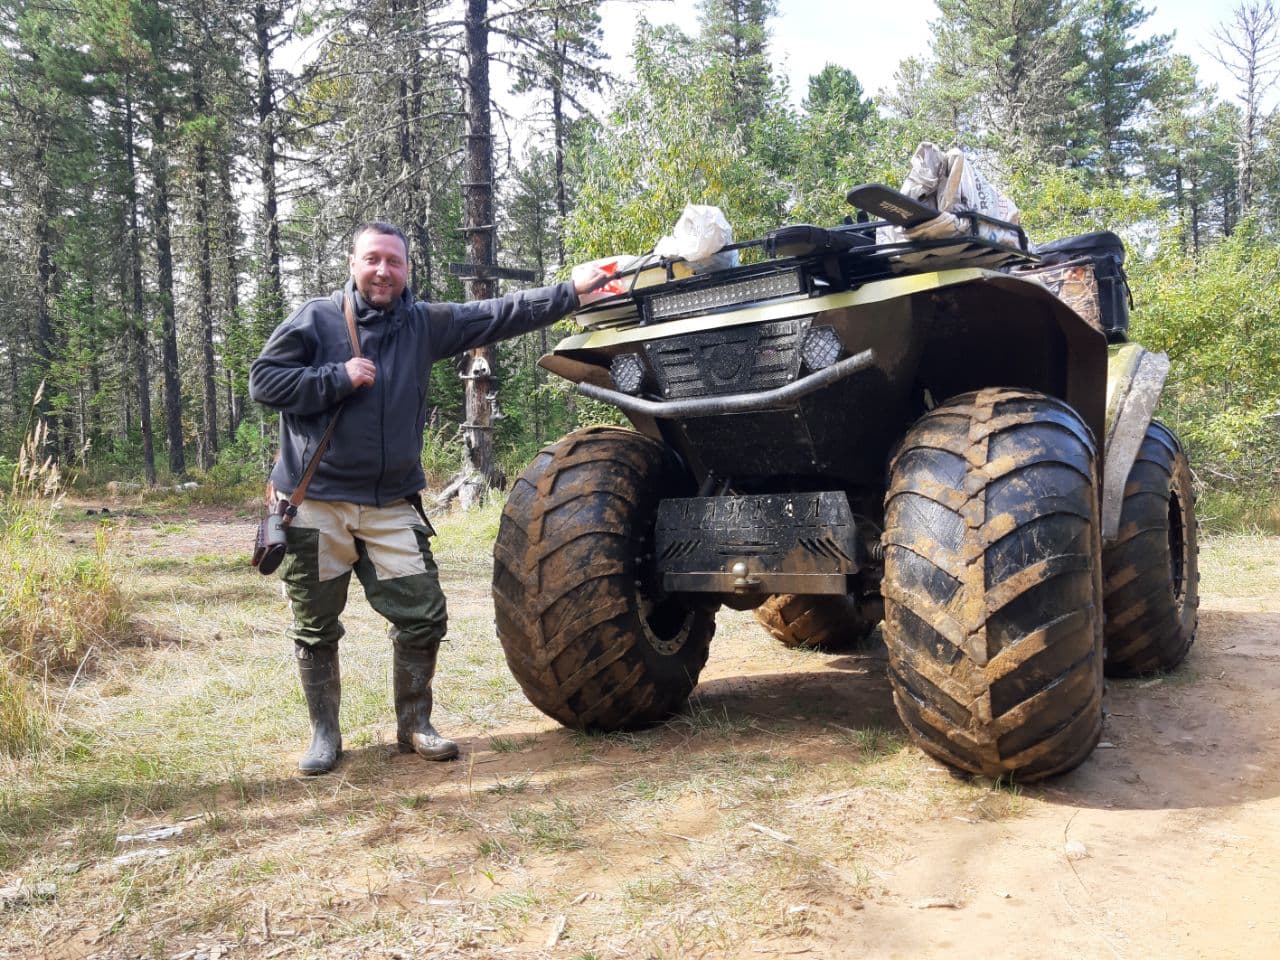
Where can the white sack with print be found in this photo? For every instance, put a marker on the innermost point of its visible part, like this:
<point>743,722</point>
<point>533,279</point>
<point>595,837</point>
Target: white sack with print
<point>951,182</point>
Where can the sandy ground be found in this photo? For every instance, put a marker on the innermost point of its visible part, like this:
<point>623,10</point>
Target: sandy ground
<point>1166,842</point>
<point>1178,815</point>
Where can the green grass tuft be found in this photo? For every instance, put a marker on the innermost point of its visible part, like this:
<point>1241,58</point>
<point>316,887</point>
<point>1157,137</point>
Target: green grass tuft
<point>1239,511</point>
<point>55,604</point>
<point>549,828</point>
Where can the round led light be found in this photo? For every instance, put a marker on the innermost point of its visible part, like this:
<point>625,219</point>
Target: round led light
<point>627,371</point>
<point>821,348</point>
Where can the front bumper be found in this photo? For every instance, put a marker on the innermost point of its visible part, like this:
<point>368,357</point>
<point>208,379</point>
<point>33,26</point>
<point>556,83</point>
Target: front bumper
<point>775,399</point>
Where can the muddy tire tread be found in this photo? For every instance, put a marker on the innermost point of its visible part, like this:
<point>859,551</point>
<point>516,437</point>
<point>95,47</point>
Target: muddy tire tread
<point>1149,627</point>
<point>993,618</point>
<point>564,585</point>
<point>798,621</point>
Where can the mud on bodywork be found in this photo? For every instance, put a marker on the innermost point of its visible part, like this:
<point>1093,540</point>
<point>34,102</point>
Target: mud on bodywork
<point>1135,380</point>
<point>855,430</point>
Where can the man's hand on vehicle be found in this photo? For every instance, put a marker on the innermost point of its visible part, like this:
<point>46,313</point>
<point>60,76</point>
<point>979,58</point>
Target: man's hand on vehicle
<point>360,371</point>
<point>587,277</point>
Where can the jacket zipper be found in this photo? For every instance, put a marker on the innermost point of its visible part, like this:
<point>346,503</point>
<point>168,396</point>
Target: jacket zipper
<point>382,435</point>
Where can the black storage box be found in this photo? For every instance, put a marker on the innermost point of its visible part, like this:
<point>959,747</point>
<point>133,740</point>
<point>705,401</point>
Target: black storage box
<point>1104,251</point>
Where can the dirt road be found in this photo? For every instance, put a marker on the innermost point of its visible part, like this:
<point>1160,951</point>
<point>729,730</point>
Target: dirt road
<point>782,816</point>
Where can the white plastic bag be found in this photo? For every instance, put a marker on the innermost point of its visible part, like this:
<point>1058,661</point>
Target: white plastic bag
<point>951,182</point>
<point>699,234</point>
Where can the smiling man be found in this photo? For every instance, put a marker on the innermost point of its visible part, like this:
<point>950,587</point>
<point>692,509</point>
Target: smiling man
<point>362,509</point>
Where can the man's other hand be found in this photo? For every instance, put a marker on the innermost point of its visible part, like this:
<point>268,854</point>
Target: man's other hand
<point>586,277</point>
<point>360,371</point>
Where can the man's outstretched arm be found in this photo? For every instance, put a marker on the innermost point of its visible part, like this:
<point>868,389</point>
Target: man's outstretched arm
<point>481,322</point>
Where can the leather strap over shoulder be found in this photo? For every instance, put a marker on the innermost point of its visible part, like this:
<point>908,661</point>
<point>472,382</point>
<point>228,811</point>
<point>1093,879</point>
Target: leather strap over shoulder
<point>349,312</point>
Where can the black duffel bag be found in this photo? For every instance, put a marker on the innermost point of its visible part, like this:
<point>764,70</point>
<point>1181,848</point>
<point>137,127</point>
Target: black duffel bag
<point>1105,251</point>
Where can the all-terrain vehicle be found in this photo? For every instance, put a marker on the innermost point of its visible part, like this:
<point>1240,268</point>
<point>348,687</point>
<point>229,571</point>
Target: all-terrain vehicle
<point>845,431</point>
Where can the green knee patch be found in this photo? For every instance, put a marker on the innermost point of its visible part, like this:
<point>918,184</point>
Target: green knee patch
<point>414,605</point>
<point>316,604</point>
<point>302,562</point>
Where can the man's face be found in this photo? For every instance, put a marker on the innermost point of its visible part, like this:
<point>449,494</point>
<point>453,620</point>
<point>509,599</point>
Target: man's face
<point>380,268</point>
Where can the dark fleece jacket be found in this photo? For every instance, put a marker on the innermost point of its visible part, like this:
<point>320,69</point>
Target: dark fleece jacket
<point>374,457</point>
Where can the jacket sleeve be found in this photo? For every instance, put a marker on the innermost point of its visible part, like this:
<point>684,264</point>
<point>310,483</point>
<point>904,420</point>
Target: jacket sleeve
<point>285,376</point>
<point>481,322</point>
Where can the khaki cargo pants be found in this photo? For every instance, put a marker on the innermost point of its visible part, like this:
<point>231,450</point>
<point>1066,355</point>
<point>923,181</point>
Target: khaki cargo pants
<point>390,551</point>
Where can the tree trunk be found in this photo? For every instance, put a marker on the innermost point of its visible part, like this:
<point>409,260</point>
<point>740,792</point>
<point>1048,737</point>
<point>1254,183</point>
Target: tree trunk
<point>420,219</point>
<point>44,269</point>
<point>270,291</point>
<point>137,319</point>
<point>405,119</point>
<point>481,384</point>
<point>1180,202</point>
<point>230,221</point>
<point>169,330</point>
<point>557,116</point>
<point>15,382</point>
<point>204,272</point>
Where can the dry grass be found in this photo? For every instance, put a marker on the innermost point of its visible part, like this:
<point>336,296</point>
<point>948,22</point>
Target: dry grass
<point>1240,566</point>
<point>56,604</point>
<point>723,832</point>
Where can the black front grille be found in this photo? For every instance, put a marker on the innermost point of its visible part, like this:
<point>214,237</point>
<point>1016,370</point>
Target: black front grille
<point>743,359</point>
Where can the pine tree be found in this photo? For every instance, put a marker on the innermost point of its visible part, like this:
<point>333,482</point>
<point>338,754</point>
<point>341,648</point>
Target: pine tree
<point>737,33</point>
<point>1014,67</point>
<point>558,53</point>
<point>1120,79</point>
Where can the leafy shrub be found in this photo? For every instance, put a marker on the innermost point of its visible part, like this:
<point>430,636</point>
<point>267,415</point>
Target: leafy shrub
<point>1214,315</point>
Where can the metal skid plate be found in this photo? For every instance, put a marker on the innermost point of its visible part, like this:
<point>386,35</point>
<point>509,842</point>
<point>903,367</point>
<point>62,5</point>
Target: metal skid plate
<point>772,543</point>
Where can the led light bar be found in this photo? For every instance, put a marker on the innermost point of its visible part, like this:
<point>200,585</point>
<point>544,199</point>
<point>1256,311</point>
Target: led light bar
<point>767,287</point>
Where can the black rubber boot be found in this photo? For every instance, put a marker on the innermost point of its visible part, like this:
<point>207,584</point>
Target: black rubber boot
<point>411,679</point>
<point>321,685</point>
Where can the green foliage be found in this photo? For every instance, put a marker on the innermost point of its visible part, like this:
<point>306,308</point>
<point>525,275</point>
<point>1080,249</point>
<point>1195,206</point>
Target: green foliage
<point>1006,71</point>
<point>1215,317</point>
<point>441,452</point>
<point>1074,108</point>
<point>1061,201</point>
<point>1225,509</point>
<point>666,144</point>
<point>248,460</point>
<point>735,33</point>
<point>1121,77</point>
<point>833,146</point>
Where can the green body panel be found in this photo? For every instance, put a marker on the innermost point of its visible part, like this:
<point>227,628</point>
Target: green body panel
<point>934,335</point>
<point>1135,379</point>
<point>619,332</point>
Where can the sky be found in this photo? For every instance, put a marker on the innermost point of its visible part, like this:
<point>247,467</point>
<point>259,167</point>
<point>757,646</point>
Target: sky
<point>871,38</point>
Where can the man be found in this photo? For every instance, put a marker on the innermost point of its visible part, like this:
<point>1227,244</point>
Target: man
<point>361,509</point>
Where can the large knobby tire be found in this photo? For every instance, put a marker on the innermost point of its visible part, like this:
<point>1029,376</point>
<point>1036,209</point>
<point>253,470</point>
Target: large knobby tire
<point>592,643</point>
<point>992,585</point>
<point>1151,573</point>
<point>828,623</point>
